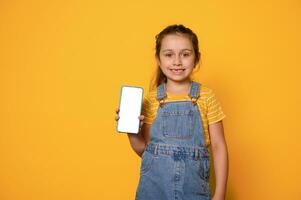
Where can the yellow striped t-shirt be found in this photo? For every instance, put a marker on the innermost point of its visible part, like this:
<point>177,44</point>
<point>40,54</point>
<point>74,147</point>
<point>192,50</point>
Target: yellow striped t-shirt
<point>209,106</point>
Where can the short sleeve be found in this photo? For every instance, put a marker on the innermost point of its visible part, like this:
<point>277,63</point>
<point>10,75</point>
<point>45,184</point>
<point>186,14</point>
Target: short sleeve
<point>146,110</point>
<point>214,112</point>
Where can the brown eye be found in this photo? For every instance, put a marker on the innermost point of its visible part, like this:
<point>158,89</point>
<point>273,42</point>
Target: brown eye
<point>168,55</point>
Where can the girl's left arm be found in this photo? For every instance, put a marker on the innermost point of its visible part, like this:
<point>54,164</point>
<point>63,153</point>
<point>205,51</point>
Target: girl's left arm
<point>220,158</point>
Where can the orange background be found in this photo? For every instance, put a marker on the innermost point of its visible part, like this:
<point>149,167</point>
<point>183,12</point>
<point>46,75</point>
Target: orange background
<point>62,64</point>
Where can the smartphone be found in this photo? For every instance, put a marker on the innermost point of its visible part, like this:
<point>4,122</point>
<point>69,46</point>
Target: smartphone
<point>130,106</point>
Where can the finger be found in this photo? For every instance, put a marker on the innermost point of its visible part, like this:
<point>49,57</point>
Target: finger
<point>117,110</point>
<point>141,117</point>
<point>141,123</point>
<point>117,118</point>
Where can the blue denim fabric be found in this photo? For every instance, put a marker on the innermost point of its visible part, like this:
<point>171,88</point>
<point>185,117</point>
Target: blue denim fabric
<point>175,164</point>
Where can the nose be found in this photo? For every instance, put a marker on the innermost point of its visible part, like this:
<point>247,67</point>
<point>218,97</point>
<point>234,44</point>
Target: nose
<point>177,61</point>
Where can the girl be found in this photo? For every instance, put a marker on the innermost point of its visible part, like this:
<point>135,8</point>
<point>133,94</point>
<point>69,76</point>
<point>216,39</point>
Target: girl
<point>181,122</point>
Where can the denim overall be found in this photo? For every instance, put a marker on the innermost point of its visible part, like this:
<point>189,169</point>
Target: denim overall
<point>175,164</point>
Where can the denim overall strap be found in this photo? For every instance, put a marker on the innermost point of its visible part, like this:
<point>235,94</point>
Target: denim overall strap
<point>161,91</point>
<point>161,94</point>
<point>194,90</point>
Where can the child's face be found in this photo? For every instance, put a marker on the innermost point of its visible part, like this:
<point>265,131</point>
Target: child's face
<point>177,57</point>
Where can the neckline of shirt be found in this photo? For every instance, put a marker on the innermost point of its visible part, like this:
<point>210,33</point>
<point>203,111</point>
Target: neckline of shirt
<point>176,95</point>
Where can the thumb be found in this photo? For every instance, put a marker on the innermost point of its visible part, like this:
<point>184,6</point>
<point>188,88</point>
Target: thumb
<point>141,117</point>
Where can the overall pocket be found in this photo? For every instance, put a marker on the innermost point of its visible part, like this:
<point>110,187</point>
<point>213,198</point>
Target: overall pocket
<point>202,165</point>
<point>178,124</point>
<point>200,175</point>
<point>206,168</point>
<point>146,162</point>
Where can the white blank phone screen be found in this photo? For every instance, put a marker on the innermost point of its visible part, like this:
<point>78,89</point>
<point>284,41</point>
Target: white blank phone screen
<point>130,109</point>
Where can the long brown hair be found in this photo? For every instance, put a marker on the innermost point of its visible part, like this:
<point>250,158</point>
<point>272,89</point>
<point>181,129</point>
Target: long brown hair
<point>158,76</point>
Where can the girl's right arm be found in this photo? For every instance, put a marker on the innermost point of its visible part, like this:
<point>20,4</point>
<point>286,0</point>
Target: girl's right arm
<point>138,141</point>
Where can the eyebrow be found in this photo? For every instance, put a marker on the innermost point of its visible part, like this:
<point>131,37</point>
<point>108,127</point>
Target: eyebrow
<point>181,50</point>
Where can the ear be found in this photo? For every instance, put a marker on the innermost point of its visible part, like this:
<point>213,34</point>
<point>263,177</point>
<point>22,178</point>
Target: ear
<point>196,62</point>
<point>158,61</point>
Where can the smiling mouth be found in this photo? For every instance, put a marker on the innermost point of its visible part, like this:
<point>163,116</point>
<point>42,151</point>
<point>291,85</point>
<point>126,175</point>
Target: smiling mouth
<point>177,70</point>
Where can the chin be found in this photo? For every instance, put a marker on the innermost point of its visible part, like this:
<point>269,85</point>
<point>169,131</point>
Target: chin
<point>178,79</point>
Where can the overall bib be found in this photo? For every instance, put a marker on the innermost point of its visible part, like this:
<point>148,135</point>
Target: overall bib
<point>175,164</point>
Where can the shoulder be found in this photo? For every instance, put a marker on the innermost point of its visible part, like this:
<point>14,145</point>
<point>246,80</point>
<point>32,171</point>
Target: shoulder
<point>206,92</point>
<point>151,96</point>
<point>208,96</point>
<point>149,106</point>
